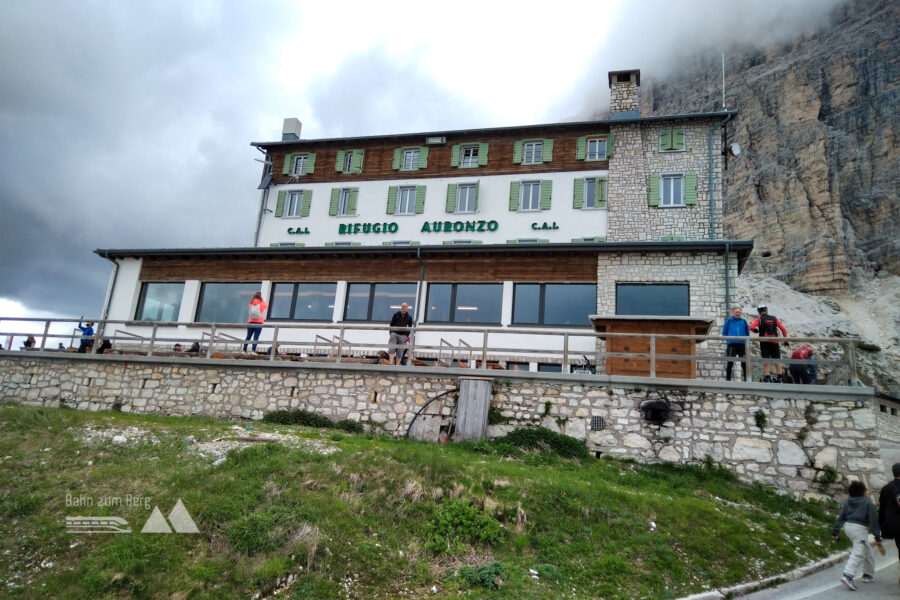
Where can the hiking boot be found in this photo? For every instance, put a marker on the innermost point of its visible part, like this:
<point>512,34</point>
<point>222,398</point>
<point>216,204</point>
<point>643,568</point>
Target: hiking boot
<point>847,580</point>
<point>866,578</point>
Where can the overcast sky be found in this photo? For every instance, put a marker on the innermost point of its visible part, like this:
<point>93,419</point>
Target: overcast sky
<point>127,124</point>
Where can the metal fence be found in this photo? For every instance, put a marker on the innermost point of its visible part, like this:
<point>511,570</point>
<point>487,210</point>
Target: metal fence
<point>574,350</point>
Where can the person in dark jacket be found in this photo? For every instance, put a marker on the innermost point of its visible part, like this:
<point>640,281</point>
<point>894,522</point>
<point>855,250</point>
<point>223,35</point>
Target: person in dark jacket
<point>856,517</point>
<point>889,507</point>
<point>768,326</point>
<point>400,324</point>
<point>87,336</point>
<point>735,326</point>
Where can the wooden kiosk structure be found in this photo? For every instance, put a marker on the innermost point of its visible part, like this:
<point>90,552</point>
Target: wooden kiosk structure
<point>648,326</point>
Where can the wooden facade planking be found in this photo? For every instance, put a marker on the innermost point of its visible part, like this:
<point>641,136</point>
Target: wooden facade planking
<point>377,163</point>
<point>540,267</point>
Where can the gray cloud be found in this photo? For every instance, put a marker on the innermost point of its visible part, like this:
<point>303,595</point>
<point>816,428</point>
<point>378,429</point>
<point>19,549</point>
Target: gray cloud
<point>128,125</point>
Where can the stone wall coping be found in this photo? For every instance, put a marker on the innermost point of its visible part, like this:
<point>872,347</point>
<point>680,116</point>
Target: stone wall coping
<point>774,390</point>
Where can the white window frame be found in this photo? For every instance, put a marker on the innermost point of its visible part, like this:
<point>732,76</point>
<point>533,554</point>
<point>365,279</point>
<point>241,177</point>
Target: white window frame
<point>409,159</point>
<point>470,199</point>
<point>343,206</point>
<point>666,183</point>
<point>299,161</point>
<point>529,184</point>
<point>598,141</point>
<point>293,204</point>
<point>410,192</point>
<point>468,156</point>
<point>536,150</point>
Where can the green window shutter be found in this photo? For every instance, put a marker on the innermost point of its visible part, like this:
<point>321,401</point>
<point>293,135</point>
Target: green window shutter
<point>581,148</point>
<point>335,198</point>
<point>517,152</point>
<point>653,189</point>
<point>356,161</point>
<point>419,207</point>
<point>547,150</point>
<point>483,153</point>
<point>511,242</point>
<point>310,163</point>
<point>273,244</point>
<point>690,188</point>
<point>665,139</point>
<point>476,242</point>
<point>299,244</point>
<point>671,238</point>
<point>423,157</point>
<point>546,193</point>
<point>354,193</point>
<point>356,243</point>
<point>454,155</point>
<point>609,144</point>
<point>395,164</point>
<point>305,203</point>
<point>386,243</point>
<point>287,164</point>
<point>339,161</point>
<point>392,200</point>
<point>514,196</point>
<point>578,195</point>
<point>678,139</point>
<point>543,241</point>
<point>477,186</point>
<point>601,192</point>
<point>329,243</point>
<point>450,207</point>
<point>279,206</point>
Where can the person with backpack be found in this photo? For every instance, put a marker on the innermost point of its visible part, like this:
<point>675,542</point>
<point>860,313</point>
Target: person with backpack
<point>768,326</point>
<point>257,310</point>
<point>732,327</point>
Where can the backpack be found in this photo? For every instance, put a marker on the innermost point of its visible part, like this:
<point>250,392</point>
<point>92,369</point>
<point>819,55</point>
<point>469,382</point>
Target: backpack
<point>767,326</point>
<point>255,312</point>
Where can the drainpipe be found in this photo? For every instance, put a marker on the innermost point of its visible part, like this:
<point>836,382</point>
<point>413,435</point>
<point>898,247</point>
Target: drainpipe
<point>727,282</point>
<point>712,218</point>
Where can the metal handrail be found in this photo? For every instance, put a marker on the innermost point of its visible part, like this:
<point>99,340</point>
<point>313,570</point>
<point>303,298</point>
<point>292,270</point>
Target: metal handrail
<point>215,334</point>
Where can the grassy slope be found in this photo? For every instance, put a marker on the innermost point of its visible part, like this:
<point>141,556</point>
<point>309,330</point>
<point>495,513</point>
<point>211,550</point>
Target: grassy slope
<point>356,523</point>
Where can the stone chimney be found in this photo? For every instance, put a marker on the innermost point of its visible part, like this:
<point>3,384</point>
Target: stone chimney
<point>624,102</point>
<point>290,132</point>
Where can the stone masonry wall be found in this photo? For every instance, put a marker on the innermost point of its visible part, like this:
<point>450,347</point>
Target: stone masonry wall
<point>887,412</point>
<point>826,427</point>
<point>704,274</point>
<point>623,97</point>
<point>636,156</point>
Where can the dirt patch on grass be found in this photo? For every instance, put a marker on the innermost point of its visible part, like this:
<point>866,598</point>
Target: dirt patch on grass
<point>237,438</point>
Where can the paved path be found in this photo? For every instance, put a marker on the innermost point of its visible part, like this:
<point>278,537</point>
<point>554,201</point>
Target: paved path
<point>825,584</point>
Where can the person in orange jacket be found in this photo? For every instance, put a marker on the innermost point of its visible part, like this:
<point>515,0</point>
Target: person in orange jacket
<point>768,326</point>
<point>257,311</point>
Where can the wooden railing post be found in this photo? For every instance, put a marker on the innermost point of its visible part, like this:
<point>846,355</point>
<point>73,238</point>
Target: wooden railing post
<point>748,360</point>
<point>340,348</point>
<point>152,340</point>
<point>274,343</point>
<point>565,359</point>
<point>484,348</point>
<point>212,340</point>
<point>652,356</point>
<point>851,356</point>
<point>44,337</point>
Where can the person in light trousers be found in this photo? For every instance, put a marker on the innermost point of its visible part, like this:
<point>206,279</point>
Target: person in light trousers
<point>856,517</point>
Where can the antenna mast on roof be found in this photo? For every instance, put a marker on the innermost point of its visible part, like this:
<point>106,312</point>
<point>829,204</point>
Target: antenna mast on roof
<point>723,81</point>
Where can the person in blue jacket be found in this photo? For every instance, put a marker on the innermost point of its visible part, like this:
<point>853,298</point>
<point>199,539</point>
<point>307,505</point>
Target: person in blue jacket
<point>735,348</point>
<point>87,336</point>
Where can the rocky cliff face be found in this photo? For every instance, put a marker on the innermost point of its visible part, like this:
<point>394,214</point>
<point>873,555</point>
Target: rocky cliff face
<point>816,183</point>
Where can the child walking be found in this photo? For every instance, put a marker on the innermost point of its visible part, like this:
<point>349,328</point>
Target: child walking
<point>856,517</point>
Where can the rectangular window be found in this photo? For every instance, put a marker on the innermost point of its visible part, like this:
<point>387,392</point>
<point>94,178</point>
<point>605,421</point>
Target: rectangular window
<point>225,302</point>
<point>410,159</point>
<point>549,368</point>
<point>293,205</point>
<point>377,302</point>
<point>159,301</point>
<point>672,190</point>
<point>464,303</point>
<point>590,192</point>
<point>469,156</point>
<point>530,196</point>
<point>668,299</point>
<point>531,154</point>
<point>568,304</point>
<point>343,208</point>
<point>596,149</point>
<point>303,301</point>
<point>348,162</point>
<point>465,198</point>
<point>671,140</point>
<point>406,200</point>
<point>299,167</point>
<point>517,366</point>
